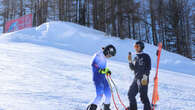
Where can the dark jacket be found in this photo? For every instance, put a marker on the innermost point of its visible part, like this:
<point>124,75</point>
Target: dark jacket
<point>141,65</point>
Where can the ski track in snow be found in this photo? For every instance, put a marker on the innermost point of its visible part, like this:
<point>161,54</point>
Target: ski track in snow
<point>37,77</point>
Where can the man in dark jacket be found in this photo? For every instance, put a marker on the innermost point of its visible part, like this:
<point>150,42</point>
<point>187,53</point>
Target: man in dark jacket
<point>141,65</point>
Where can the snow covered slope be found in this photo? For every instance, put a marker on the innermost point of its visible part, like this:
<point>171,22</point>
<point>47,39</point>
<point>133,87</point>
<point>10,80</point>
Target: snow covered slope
<point>48,68</point>
<point>69,36</point>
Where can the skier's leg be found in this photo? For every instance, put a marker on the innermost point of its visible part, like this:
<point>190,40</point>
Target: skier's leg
<point>99,93</point>
<point>144,97</point>
<point>133,90</point>
<point>107,93</point>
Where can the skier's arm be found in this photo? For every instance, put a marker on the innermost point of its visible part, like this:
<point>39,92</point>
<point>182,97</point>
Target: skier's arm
<point>101,67</point>
<point>131,66</point>
<point>93,64</point>
<point>147,64</point>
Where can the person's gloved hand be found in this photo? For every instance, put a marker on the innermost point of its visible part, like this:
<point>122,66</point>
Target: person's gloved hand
<point>105,71</point>
<point>129,57</point>
<point>144,80</point>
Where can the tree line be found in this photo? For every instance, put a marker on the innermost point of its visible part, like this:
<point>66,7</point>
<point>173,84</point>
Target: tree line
<point>171,22</point>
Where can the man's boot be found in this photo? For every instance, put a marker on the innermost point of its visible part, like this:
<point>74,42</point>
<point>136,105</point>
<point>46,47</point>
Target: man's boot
<point>132,107</point>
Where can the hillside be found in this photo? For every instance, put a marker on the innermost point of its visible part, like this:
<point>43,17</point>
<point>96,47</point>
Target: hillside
<point>48,68</point>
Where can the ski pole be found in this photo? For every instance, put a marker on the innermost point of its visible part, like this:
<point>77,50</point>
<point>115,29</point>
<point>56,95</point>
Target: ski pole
<point>118,93</point>
<point>111,92</point>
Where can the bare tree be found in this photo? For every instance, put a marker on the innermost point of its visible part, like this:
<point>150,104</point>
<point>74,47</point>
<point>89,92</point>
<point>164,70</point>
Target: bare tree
<point>61,10</point>
<point>21,8</point>
<point>153,22</point>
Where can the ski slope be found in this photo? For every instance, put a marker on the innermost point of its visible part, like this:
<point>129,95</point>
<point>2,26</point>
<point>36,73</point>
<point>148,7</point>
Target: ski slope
<point>48,68</point>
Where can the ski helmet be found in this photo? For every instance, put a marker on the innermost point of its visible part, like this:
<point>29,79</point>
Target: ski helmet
<point>141,44</point>
<point>109,49</point>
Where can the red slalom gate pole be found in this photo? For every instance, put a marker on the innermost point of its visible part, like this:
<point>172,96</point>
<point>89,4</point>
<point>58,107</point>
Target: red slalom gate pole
<point>118,94</point>
<point>155,96</point>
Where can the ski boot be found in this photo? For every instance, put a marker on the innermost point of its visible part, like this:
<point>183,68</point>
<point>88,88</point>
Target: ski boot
<point>92,107</point>
<point>106,106</point>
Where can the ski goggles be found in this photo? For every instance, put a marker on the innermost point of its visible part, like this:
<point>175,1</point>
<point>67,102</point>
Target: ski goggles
<point>136,46</point>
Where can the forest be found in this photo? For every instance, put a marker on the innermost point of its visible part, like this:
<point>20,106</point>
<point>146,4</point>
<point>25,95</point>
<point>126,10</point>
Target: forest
<point>171,22</point>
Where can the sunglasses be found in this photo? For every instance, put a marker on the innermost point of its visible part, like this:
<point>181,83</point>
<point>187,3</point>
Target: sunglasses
<point>136,46</point>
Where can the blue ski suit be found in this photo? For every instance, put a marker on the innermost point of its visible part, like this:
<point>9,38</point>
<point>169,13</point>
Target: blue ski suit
<point>100,82</point>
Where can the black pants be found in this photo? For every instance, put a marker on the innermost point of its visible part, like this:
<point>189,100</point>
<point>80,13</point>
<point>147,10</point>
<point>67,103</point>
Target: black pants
<point>133,91</point>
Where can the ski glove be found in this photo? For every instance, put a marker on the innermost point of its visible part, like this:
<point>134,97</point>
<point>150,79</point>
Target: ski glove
<point>105,71</point>
<point>144,80</point>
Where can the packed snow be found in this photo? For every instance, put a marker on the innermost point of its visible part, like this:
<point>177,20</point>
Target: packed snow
<point>48,68</point>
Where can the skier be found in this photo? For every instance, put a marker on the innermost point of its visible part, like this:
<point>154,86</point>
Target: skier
<point>99,71</point>
<point>141,65</point>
